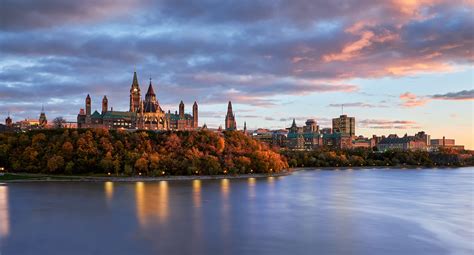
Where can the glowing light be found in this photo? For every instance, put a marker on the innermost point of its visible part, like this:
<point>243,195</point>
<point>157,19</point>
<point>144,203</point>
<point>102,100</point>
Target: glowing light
<point>197,193</point>
<point>109,190</point>
<point>252,182</point>
<point>225,187</point>
<point>4,215</point>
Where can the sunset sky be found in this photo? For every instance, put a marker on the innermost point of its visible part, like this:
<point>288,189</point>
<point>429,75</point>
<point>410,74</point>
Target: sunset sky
<point>397,66</point>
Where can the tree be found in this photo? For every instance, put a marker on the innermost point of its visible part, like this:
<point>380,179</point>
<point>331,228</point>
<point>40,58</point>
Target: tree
<point>59,122</point>
<point>55,163</point>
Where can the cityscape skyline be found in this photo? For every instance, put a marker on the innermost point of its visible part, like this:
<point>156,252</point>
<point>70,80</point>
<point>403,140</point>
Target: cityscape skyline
<point>274,61</point>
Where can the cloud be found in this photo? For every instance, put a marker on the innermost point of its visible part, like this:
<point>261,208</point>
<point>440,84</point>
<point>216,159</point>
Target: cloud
<point>461,95</point>
<point>387,124</point>
<point>411,100</point>
<point>360,105</point>
<point>252,52</point>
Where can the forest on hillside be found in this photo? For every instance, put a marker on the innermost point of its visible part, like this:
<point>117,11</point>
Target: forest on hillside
<point>123,153</point>
<point>326,157</point>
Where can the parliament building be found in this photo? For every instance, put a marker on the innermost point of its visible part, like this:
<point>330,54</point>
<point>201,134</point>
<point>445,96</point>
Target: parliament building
<point>143,113</point>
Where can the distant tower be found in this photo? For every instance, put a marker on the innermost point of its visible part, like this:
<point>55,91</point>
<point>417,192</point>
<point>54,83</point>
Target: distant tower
<point>245,127</point>
<point>230,118</point>
<point>105,104</point>
<point>293,128</point>
<point>88,105</point>
<point>9,121</point>
<point>135,94</point>
<point>181,110</point>
<point>42,118</point>
<point>195,115</point>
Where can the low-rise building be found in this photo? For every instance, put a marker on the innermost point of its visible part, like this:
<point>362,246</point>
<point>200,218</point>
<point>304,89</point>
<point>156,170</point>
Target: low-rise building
<point>393,142</point>
<point>436,144</point>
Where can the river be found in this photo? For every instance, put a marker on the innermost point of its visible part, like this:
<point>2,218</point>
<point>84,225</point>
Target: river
<point>364,211</point>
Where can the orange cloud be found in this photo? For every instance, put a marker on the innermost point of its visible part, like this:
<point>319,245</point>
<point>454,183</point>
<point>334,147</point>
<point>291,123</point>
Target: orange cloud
<point>402,69</point>
<point>411,100</point>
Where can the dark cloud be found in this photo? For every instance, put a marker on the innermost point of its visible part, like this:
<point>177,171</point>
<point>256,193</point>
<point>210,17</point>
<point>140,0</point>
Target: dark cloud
<point>461,95</point>
<point>213,51</point>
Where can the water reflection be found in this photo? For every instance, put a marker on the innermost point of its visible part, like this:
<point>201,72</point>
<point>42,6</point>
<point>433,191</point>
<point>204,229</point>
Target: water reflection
<point>152,202</point>
<point>4,217</point>
<point>197,193</point>
<point>252,182</point>
<point>225,210</point>
<point>225,188</point>
<point>109,190</point>
<point>271,181</point>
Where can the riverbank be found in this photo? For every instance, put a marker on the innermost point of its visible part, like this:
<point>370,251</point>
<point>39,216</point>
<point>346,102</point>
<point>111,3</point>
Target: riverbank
<point>24,177</point>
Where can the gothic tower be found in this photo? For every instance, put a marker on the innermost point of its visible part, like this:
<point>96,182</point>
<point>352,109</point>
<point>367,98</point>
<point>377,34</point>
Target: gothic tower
<point>195,115</point>
<point>9,121</point>
<point>88,105</point>
<point>135,94</point>
<point>181,110</point>
<point>230,118</point>
<point>105,104</point>
<point>42,118</point>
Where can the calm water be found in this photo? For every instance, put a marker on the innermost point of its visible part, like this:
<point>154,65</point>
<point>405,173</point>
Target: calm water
<point>309,212</point>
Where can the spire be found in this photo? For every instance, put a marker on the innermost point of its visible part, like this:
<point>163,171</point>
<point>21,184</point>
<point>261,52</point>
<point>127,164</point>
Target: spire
<point>88,96</point>
<point>150,90</point>
<point>135,79</point>
<point>42,108</point>
<point>294,122</point>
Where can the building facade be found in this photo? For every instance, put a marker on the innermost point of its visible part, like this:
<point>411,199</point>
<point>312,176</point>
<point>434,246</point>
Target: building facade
<point>304,138</point>
<point>142,114</point>
<point>344,125</point>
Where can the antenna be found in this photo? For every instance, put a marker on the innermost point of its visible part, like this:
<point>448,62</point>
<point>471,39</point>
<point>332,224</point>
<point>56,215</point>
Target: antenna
<point>342,107</point>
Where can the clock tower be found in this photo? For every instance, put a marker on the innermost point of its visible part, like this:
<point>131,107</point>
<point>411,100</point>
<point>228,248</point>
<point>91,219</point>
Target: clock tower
<point>135,94</point>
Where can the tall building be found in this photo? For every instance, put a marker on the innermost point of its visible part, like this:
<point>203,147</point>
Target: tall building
<point>43,121</point>
<point>195,115</point>
<point>230,123</point>
<point>105,103</point>
<point>135,95</point>
<point>344,125</point>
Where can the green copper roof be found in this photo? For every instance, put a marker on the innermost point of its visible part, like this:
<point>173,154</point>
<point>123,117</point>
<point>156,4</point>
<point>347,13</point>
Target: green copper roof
<point>176,116</point>
<point>119,115</point>
<point>96,115</point>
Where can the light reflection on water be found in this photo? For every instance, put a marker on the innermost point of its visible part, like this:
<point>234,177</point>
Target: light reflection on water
<point>151,202</point>
<point>328,212</point>
<point>109,190</point>
<point>4,218</point>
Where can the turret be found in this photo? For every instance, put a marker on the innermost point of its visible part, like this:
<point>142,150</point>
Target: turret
<point>105,104</point>
<point>88,105</point>
<point>230,123</point>
<point>195,115</point>
<point>181,110</point>
<point>9,121</point>
<point>42,118</point>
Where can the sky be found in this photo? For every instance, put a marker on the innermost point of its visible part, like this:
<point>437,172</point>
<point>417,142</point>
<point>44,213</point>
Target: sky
<point>397,66</point>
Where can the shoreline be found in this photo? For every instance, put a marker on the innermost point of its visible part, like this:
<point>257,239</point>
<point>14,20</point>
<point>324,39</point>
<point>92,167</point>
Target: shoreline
<point>64,178</point>
<point>27,177</point>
